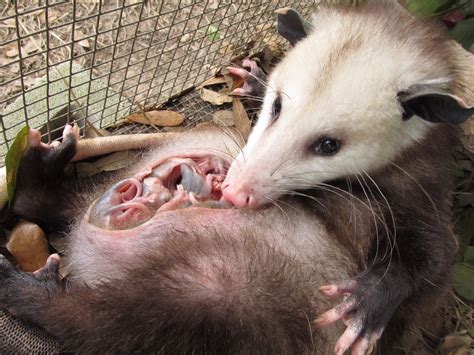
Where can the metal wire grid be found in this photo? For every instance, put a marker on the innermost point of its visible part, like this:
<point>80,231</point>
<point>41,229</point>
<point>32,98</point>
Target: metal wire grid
<point>143,53</point>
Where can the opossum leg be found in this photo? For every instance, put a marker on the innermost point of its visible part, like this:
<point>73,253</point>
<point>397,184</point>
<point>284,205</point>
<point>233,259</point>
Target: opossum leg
<point>23,293</point>
<point>254,80</point>
<point>369,303</point>
<point>40,196</point>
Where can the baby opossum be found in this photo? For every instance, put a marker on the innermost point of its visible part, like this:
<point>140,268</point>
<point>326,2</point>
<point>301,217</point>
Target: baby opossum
<point>356,120</point>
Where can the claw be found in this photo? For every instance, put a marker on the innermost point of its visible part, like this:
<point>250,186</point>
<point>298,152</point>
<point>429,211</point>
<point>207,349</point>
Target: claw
<point>34,138</point>
<point>361,346</point>
<point>334,314</point>
<point>238,91</point>
<point>341,289</point>
<point>347,338</point>
<point>50,269</point>
<point>238,72</point>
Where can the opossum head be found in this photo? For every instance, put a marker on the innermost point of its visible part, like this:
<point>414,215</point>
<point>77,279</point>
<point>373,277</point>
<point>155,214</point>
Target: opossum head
<point>362,87</point>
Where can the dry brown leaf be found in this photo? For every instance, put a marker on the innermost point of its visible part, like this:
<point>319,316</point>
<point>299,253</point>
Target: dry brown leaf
<point>162,118</point>
<point>212,81</point>
<point>224,117</point>
<point>226,48</point>
<point>111,162</point>
<point>93,132</point>
<point>242,121</point>
<point>214,98</point>
<point>28,244</point>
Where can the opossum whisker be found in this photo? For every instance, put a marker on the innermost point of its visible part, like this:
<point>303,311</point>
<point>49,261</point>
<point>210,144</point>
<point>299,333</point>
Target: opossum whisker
<point>392,216</point>
<point>296,193</point>
<point>353,210</point>
<point>391,242</point>
<point>279,166</point>
<point>248,97</point>
<point>275,203</point>
<point>388,254</point>
<point>420,187</point>
<point>310,329</point>
<point>286,203</point>
<point>375,217</point>
<point>228,133</point>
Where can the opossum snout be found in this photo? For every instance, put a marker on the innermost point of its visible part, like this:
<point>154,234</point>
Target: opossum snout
<point>239,195</point>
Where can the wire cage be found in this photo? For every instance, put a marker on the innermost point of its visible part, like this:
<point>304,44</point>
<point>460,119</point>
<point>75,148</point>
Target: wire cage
<point>104,59</point>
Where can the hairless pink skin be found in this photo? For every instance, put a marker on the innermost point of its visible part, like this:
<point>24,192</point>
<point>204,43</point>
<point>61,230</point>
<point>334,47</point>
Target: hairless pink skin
<point>169,184</point>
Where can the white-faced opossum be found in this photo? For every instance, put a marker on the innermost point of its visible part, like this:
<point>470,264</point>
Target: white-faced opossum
<point>356,117</point>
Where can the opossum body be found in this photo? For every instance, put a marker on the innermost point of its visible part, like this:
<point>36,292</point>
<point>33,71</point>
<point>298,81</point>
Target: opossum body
<point>359,110</point>
<point>154,266</point>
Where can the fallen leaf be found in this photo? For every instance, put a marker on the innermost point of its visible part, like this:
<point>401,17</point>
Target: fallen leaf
<point>162,118</point>
<point>214,98</point>
<point>29,246</point>
<point>224,117</point>
<point>212,81</point>
<point>454,342</point>
<point>242,121</point>
<point>93,132</point>
<point>111,162</point>
<point>463,280</point>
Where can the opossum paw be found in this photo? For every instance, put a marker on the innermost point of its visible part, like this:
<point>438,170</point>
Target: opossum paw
<point>20,291</point>
<point>366,308</point>
<point>254,79</point>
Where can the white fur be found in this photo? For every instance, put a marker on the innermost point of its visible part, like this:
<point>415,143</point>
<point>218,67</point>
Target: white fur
<point>357,104</point>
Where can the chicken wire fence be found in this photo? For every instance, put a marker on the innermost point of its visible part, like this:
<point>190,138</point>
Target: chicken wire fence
<point>104,59</point>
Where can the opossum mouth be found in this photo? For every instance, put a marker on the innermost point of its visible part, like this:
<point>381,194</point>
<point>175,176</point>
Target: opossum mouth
<point>171,184</point>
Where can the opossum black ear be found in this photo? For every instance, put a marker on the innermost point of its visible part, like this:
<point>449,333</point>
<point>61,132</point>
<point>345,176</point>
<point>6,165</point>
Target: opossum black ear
<point>435,106</point>
<point>291,25</point>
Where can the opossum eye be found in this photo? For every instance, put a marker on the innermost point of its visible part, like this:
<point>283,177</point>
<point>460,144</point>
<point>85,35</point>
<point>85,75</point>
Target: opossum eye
<point>276,108</point>
<point>326,146</point>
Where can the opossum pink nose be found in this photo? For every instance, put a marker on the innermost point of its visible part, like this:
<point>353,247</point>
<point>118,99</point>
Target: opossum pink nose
<point>238,195</point>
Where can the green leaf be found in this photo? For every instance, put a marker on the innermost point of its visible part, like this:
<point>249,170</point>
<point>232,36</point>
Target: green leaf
<point>213,33</point>
<point>465,228</point>
<point>427,8</point>
<point>13,159</point>
<point>463,280</point>
<point>469,256</point>
<point>463,32</point>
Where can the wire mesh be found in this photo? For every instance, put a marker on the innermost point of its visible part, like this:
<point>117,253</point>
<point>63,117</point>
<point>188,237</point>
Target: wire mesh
<point>104,59</point>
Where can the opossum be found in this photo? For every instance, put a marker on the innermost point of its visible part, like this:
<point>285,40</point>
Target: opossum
<point>158,263</point>
<point>150,273</point>
<point>356,118</point>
